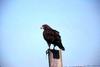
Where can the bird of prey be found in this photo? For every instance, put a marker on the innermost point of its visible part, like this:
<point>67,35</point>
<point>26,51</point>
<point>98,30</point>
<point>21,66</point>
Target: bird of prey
<point>52,37</point>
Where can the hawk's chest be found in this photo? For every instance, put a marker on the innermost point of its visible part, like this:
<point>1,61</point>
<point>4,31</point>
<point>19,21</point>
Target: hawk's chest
<point>48,35</point>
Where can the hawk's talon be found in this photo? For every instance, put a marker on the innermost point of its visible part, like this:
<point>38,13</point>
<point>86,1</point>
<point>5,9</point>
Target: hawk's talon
<point>47,51</point>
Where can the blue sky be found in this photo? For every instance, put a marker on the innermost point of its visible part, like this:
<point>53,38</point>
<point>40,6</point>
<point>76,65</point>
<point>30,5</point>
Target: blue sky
<point>22,43</point>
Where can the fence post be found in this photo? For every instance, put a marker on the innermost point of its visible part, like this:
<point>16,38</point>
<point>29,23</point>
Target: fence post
<point>55,58</point>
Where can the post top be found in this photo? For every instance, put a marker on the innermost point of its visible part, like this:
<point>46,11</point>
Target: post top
<point>55,53</point>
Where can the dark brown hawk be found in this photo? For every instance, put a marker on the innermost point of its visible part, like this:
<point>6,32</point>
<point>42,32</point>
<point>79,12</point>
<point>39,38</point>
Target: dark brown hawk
<point>52,37</point>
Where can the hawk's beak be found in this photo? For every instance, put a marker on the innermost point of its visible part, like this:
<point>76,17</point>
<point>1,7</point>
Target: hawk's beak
<point>41,27</point>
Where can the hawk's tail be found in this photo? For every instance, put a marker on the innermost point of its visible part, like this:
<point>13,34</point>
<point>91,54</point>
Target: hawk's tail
<point>61,46</point>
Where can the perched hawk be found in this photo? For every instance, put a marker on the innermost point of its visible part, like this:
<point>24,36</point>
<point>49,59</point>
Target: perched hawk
<point>52,37</point>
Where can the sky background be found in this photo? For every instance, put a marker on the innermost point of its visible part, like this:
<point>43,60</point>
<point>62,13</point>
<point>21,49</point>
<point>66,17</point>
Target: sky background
<point>22,43</point>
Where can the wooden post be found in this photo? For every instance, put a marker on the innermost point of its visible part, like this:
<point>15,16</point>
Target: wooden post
<point>55,58</point>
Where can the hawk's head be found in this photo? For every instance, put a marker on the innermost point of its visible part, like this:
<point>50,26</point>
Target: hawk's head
<point>45,26</point>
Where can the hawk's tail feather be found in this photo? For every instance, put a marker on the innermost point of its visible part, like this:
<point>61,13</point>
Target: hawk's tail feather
<point>61,46</point>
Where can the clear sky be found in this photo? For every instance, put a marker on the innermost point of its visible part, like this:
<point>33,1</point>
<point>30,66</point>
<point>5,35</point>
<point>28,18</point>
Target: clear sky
<point>22,43</point>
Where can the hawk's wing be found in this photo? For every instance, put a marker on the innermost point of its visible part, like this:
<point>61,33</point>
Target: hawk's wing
<point>56,34</point>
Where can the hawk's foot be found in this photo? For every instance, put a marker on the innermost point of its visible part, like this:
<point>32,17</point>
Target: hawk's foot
<point>47,51</point>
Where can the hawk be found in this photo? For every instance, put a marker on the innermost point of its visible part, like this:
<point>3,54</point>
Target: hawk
<point>52,37</point>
